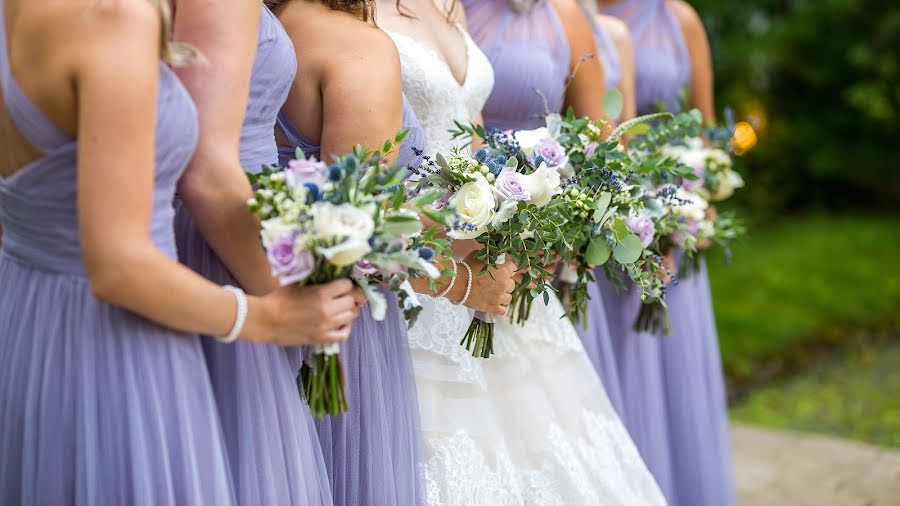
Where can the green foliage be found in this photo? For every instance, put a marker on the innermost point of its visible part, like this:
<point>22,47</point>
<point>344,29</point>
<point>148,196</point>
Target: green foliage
<point>821,81</point>
<point>803,281</point>
<point>855,397</point>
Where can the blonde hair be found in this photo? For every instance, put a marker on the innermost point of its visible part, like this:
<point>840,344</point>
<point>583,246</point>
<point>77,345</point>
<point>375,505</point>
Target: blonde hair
<point>363,9</point>
<point>171,52</point>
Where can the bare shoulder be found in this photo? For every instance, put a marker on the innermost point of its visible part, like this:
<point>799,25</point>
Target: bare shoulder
<point>615,28</point>
<point>686,16</point>
<point>362,49</point>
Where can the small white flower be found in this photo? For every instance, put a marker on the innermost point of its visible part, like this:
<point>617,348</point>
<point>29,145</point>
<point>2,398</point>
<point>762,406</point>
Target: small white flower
<point>528,139</point>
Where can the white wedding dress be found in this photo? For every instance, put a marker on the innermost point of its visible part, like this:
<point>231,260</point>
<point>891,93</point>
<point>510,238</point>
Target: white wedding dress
<point>531,425</point>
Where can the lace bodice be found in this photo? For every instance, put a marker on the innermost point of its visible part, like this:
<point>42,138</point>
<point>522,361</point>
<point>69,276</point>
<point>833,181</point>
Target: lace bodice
<point>434,93</point>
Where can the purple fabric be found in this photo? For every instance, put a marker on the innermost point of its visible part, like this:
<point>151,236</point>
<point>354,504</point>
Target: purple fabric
<point>530,54</point>
<point>373,453</point>
<point>606,50</point>
<point>272,446</point>
<point>508,37</point>
<point>662,64</point>
<point>673,386</point>
<point>98,406</point>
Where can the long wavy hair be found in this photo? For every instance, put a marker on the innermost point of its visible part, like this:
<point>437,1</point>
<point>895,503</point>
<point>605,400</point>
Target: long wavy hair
<point>363,9</point>
<point>171,52</point>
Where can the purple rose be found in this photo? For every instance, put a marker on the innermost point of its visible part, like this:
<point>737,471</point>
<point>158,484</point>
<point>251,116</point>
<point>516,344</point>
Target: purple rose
<point>590,148</point>
<point>509,186</point>
<point>551,151</point>
<point>643,226</point>
<point>287,265</point>
<point>310,170</point>
<point>364,269</point>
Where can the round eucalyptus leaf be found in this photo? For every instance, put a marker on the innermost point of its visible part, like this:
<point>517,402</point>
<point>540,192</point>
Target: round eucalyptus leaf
<point>629,249</point>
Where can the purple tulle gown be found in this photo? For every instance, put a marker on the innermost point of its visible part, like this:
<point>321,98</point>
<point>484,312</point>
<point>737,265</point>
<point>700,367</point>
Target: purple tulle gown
<point>673,388</point>
<point>530,54</point>
<point>98,406</point>
<point>272,447</point>
<point>373,453</point>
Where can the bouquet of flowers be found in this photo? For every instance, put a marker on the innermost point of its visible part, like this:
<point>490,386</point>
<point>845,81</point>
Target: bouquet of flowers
<point>498,196</point>
<point>352,219</point>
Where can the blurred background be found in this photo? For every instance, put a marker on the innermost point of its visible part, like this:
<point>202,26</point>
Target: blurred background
<point>809,311</point>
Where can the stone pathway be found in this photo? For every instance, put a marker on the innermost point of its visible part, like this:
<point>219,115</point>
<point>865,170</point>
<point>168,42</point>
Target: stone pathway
<point>777,468</point>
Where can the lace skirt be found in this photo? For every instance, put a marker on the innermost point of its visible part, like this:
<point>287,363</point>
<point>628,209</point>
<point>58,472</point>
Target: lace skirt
<point>532,425</point>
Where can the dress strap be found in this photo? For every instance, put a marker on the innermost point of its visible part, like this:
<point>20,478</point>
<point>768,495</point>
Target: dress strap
<point>294,137</point>
<point>42,133</point>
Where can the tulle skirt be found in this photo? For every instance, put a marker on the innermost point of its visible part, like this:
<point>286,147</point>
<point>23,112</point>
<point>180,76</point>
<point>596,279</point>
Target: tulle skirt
<point>533,427</point>
<point>673,391</point>
<point>269,432</point>
<point>373,452</point>
<point>598,344</point>
<point>99,406</point>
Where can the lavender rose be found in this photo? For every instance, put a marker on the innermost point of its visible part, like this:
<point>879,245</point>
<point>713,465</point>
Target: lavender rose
<point>590,148</point>
<point>289,265</point>
<point>551,151</point>
<point>310,170</point>
<point>643,227</point>
<point>509,186</point>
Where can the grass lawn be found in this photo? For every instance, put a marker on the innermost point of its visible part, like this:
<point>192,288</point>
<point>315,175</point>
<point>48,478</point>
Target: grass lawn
<point>804,285</point>
<point>803,280</point>
<point>854,397</point>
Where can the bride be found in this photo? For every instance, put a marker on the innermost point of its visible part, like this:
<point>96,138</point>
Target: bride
<point>532,425</point>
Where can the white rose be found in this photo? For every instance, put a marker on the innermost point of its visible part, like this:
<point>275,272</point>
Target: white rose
<point>528,139</point>
<point>352,226</point>
<point>542,184</point>
<point>694,207</point>
<point>474,203</point>
<point>345,220</point>
<point>729,181</point>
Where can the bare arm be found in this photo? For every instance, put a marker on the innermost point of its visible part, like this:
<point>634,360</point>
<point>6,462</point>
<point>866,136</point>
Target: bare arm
<point>701,62</point>
<point>214,188</point>
<point>581,95</point>
<point>115,199</point>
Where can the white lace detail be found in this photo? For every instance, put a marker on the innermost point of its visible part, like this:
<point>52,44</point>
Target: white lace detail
<point>437,98</point>
<point>600,467</point>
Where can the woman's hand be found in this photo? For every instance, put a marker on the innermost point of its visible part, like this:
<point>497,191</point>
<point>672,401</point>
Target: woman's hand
<point>491,291</point>
<point>310,315</point>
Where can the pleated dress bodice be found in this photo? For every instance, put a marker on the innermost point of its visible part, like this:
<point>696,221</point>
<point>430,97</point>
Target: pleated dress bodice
<point>530,54</point>
<point>661,60</point>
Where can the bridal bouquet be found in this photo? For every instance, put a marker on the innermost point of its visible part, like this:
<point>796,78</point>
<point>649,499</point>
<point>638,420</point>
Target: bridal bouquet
<point>499,198</point>
<point>351,219</point>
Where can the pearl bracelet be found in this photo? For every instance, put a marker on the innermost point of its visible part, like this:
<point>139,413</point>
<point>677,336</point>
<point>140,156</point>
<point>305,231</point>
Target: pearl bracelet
<point>468,285</point>
<point>240,317</point>
<point>452,281</point>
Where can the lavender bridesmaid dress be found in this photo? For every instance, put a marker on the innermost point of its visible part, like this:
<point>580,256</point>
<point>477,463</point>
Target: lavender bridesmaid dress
<point>373,453</point>
<point>673,386</point>
<point>98,406</point>
<point>530,54</point>
<point>272,446</point>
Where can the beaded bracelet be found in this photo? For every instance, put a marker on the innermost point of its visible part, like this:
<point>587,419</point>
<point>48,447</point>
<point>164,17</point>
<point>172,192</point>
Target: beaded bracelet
<point>452,281</point>
<point>468,285</point>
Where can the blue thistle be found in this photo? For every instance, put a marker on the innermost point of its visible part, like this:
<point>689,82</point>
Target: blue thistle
<point>426,253</point>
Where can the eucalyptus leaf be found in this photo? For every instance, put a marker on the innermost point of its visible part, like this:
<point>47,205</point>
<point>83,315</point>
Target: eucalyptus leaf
<point>598,252</point>
<point>613,103</point>
<point>608,215</point>
<point>628,250</point>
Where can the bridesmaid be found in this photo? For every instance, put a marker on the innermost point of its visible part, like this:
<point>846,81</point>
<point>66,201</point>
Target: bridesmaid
<point>105,396</point>
<point>269,434</point>
<point>673,386</point>
<point>347,92</point>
